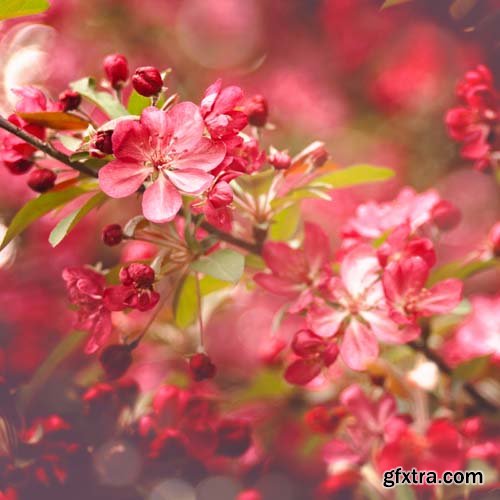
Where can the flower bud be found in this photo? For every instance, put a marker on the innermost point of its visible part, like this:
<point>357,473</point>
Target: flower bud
<point>257,111</point>
<point>280,160</point>
<point>220,195</point>
<point>306,343</point>
<point>116,69</point>
<point>445,215</point>
<point>41,180</point>
<point>139,275</point>
<point>101,143</point>
<point>18,167</point>
<point>147,81</point>
<point>70,100</point>
<point>201,367</point>
<point>112,235</point>
<point>234,437</point>
<point>115,360</point>
<point>323,420</point>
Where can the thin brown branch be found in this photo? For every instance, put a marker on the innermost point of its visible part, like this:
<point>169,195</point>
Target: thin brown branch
<point>478,398</point>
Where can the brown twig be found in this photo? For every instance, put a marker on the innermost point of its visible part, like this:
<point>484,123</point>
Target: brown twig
<point>478,398</point>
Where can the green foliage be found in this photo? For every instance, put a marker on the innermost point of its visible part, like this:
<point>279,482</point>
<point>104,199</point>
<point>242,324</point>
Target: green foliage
<point>352,176</point>
<point>66,225</point>
<point>186,299</point>
<point>472,369</point>
<point>225,265</point>
<point>137,103</point>
<point>392,3</point>
<point>56,120</point>
<point>104,100</point>
<point>37,207</point>
<point>458,269</point>
<point>285,223</point>
<point>10,9</point>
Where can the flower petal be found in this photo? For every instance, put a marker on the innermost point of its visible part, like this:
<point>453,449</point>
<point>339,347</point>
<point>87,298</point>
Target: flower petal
<point>187,125</point>
<point>284,261</point>
<point>359,347</point>
<point>131,141</point>
<point>441,298</point>
<point>161,201</point>
<point>358,269</point>
<point>302,371</point>
<point>316,247</point>
<point>190,180</point>
<point>158,125</point>
<point>325,321</point>
<point>277,285</point>
<point>204,155</point>
<point>119,179</point>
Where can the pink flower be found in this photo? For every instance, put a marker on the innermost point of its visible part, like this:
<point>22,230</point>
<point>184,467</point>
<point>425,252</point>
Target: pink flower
<point>169,150</point>
<point>354,307</point>
<point>404,283</point>
<point>295,273</point>
<point>86,289</point>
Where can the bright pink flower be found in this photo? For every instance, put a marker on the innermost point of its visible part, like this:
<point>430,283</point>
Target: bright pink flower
<point>86,290</point>
<point>354,308</point>
<point>296,273</point>
<point>223,121</point>
<point>404,283</point>
<point>33,100</point>
<point>479,334</point>
<point>167,148</point>
<point>313,354</point>
<point>440,449</point>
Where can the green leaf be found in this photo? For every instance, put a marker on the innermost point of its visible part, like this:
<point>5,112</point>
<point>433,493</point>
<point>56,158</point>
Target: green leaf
<point>186,300</point>
<point>472,369</point>
<point>104,100</point>
<point>285,223</point>
<point>37,207</point>
<point>257,184</point>
<point>64,349</point>
<point>56,120</point>
<point>458,269</point>
<point>137,102</point>
<point>66,225</point>
<point>225,265</point>
<point>10,9</point>
<point>352,176</point>
<point>392,3</point>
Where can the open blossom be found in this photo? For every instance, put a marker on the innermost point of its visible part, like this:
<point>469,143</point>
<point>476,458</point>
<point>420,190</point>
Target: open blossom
<point>355,308</point>
<point>168,150</point>
<point>404,283</point>
<point>295,273</point>
<point>86,290</point>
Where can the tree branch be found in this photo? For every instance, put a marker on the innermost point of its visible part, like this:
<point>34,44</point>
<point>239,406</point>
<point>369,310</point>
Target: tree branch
<point>45,147</point>
<point>478,398</point>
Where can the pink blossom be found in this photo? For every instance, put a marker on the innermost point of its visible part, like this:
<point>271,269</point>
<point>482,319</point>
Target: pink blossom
<point>354,307</point>
<point>86,289</point>
<point>295,273</point>
<point>169,150</point>
<point>404,283</point>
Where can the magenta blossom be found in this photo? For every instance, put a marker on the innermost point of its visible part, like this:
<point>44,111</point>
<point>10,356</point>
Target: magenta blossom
<point>168,150</point>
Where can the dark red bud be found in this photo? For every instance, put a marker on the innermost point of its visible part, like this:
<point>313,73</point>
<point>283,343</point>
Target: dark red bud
<point>115,360</point>
<point>445,215</point>
<point>234,437</point>
<point>116,69</point>
<point>112,235</point>
<point>147,81</point>
<point>70,100</point>
<point>257,111</point>
<point>330,353</point>
<point>102,142</point>
<point>306,343</point>
<point>19,167</point>
<point>201,367</point>
<point>323,420</point>
<point>139,275</point>
<point>280,160</point>
<point>41,180</point>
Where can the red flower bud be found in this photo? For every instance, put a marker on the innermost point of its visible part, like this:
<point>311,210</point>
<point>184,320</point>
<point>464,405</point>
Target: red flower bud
<point>445,215</point>
<point>139,275</point>
<point>220,195</point>
<point>322,420</point>
<point>70,100</point>
<point>257,111</point>
<point>280,160</point>
<point>147,81</point>
<point>101,143</point>
<point>115,360</point>
<point>116,69</point>
<point>112,235</point>
<point>41,180</point>
<point>18,167</point>
<point>234,437</point>
<point>201,367</point>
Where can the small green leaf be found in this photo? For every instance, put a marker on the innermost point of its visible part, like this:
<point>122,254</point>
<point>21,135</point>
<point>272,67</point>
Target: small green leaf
<point>104,100</point>
<point>10,9</point>
<point>285,223</point>
<point>257,184</point>
<point>56,120</point>
<point>472,369</point>
<point>225,265</point>
<point>37,207</point>
<point>186,300</point>
<point>458,269</point>
<point>137,102</point>
<point>352,176</point>
<point>69,142</point>
<point>62,351</point>
<point>66,225</point>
